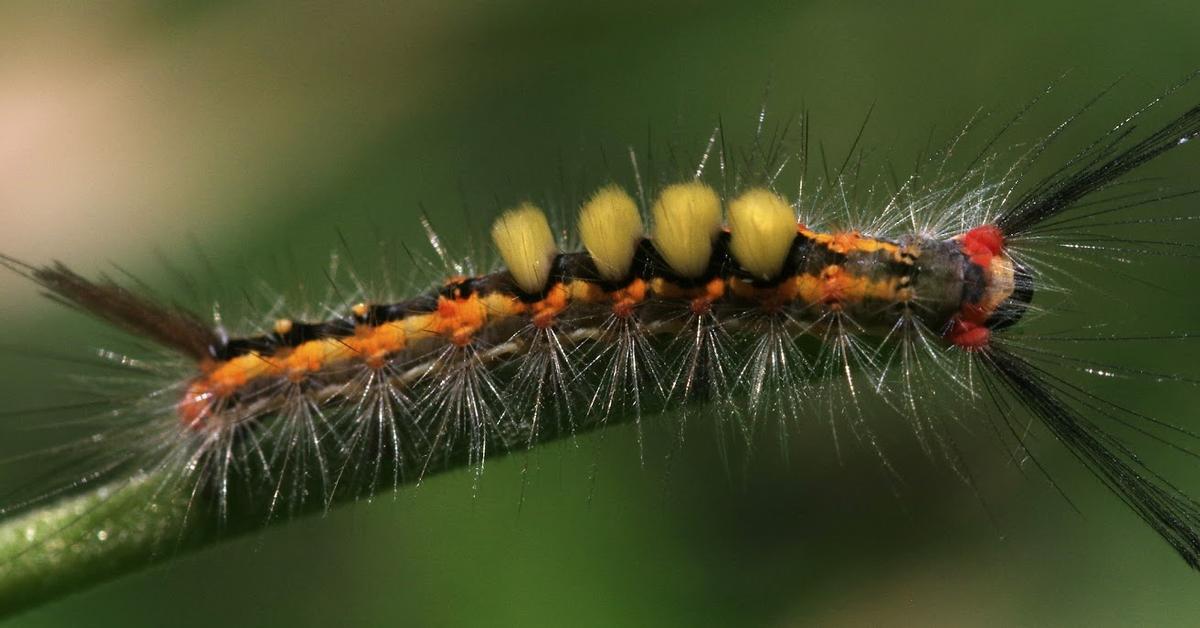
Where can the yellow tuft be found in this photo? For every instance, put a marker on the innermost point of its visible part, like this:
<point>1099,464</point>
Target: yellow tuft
<point>526,245</point>
<point>610,228</point>
<point>687,217</point>
<point>762,227</point>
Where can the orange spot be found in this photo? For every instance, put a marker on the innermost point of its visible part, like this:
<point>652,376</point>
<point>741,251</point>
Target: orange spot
<point>547,310</point>
<point>229,376</point>
<point>304,359</point>
<point>374,344</point>
<point>460,318</point>
<point>834,284</point>
<point>196,405</point>
<point>771,299</point>
<point>713,290</point>
<point>627,298</point>
<point>844,241</point>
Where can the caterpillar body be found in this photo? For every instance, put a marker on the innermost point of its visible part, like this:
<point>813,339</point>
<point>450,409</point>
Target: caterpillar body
<point>737,296</point>
<point>965,287</point>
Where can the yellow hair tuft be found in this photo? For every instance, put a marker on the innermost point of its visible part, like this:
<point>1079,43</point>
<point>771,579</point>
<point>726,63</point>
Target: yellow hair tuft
<point>526,245</point>
<point>610,227</point>
<point>687,217</point>
<point>762,227</point>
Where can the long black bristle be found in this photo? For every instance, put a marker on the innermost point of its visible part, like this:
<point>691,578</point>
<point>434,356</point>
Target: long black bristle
<point>1094,170</point>
<point>1166,509</point>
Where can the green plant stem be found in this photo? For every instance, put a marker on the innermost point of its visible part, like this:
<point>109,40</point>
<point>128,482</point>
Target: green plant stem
<point>130,524</point>
<point>86,539</point>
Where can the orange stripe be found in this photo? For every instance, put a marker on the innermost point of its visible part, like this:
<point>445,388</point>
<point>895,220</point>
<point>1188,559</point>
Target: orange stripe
<point>845,242</point>
<point>460,319</point>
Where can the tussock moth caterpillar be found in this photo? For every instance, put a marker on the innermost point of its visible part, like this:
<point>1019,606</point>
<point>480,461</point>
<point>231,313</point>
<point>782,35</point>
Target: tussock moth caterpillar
<point>721,289</point>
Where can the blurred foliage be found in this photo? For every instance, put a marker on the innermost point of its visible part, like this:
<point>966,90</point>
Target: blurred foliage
<point>375,111</point>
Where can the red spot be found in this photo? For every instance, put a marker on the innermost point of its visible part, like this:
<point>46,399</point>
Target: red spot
<point>713,290</point>
<point>544,320</point>
<point>969,330</point>
<point>968,335</point>
<point>627,298</point>
<point>196,406</point>
<point>983,243</point>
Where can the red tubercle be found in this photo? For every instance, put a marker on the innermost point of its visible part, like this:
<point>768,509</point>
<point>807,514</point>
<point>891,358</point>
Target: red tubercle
<point>982,243</point>
<point>968,329</point>
<point>713,290</point>
<point>969,335</point>
<point>625,300</point>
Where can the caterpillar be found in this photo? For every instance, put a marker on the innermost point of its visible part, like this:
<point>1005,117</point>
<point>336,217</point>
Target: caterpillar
<point>718,293</point>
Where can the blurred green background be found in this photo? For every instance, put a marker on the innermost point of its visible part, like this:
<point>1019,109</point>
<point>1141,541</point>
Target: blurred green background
<point>261,128</point>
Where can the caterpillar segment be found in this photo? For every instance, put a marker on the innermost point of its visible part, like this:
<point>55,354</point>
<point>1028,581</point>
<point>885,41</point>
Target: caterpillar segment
<point>762,260</point>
